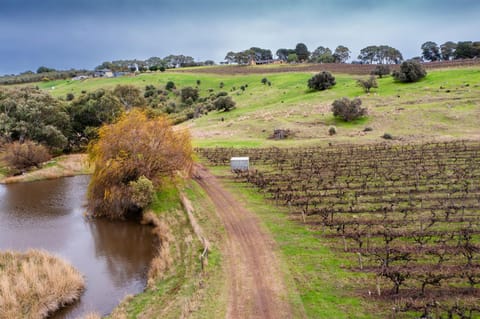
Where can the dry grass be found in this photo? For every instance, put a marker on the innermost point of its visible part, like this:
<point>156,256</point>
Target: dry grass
<point>163,260</point>
<point>34,284</point>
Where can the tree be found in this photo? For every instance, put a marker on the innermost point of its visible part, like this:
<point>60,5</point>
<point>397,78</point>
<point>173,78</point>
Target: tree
<point>129,95</point>
<point>342,54</point>
<point>381,70</point>
<point>321,81</point>
<point>448,50</point>
<point>431,51</point>
<point>348,110</point>
<point>282,54</point>
<point>467,50</point>
<point>127,154</point>
<point>224,103</point>
<point>368,54</point>
<point>292,57</point>
<point>44,69</point>
<point>382,54</point>
<point>367,84</point>
<point>302,52</point>
<point>231,57</point>
<point>410,71</point>
<point>322,55</point>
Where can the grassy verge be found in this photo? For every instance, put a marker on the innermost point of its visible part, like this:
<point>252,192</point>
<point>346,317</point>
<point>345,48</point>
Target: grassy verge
<point>182,289</point>
<point>324,288</point>
<point>34,284</point>
<point>62,166</point>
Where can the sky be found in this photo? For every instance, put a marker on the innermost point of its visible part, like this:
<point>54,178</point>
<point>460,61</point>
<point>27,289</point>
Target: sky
<point>66,34</point>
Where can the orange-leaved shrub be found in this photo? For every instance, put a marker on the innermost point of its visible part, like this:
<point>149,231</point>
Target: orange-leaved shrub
<point>27,154</point>
<point>130,154</point>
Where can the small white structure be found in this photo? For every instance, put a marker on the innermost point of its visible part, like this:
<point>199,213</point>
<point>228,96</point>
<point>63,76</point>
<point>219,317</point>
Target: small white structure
<point>239,163</point>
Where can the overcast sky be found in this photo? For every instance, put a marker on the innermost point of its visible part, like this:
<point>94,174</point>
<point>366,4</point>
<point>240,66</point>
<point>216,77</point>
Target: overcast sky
<point>83,33</point>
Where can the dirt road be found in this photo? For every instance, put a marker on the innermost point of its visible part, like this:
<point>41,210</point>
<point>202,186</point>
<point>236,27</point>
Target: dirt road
<point>255,282</point>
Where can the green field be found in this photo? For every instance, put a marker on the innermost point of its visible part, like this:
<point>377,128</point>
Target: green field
<point>443,106</point>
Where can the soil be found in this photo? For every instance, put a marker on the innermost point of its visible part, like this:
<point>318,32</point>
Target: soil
<point>255,281</point>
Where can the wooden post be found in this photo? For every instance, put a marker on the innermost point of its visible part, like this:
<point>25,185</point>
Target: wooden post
<point>360,262</point>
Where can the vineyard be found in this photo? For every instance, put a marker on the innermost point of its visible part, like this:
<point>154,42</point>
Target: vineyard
<point>406,215</point>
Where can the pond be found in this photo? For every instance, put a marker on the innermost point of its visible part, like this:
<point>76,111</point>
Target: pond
<point>112,255</point>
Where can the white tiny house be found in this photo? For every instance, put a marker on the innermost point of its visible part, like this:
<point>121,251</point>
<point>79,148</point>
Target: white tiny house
<point>239,163</point>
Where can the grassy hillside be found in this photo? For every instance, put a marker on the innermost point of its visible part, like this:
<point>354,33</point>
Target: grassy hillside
<point>445,105</point>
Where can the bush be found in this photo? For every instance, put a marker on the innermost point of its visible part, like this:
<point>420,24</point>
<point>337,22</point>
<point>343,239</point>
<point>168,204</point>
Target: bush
<point>170,86</point>
<point>189,93</point>
<point>348,110</point>
<point>381,70</point>
<point>133,147</point>
<point>26,154</point>
<point>387,136</point>
<point>410,71</point>
<point>142,191</point>
<point>264,81</point>
<point>70,96</point>
<point>224,103</point>
<point>221,85</point>
<point>332,130</point>
<point>321,81</point>
<point>367,84</point>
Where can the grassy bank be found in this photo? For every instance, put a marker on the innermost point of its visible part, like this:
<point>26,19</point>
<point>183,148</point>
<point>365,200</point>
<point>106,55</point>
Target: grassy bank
<point>318,281</point>
<point>62,166</point>
<point>34,284</point>
<point>178,287</point>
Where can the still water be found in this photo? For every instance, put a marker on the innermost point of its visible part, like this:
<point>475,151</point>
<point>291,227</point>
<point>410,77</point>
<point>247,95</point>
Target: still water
<point>113,256</point>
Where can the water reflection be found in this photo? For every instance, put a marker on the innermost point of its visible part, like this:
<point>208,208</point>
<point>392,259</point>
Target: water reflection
<point>113,256</point>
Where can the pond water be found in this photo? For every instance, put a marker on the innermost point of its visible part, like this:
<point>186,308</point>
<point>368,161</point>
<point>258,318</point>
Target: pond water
<point>112,255</point>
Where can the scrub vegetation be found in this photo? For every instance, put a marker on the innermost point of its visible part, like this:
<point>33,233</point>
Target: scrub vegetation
<point>34,284</point>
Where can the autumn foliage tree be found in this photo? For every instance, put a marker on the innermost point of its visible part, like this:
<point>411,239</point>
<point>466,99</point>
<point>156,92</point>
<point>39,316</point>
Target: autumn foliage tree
<point>130,155</point>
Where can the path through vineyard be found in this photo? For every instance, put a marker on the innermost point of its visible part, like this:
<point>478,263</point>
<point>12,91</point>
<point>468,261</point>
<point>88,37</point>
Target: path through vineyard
<point>255,284</point>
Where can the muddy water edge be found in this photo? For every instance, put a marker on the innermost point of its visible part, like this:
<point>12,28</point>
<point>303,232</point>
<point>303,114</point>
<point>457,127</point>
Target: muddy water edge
<point>112,255</point>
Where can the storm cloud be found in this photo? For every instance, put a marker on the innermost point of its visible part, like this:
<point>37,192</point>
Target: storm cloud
<point>82,34</point>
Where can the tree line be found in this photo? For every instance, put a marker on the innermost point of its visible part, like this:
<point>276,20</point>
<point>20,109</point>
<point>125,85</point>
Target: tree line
<point>372,54</point>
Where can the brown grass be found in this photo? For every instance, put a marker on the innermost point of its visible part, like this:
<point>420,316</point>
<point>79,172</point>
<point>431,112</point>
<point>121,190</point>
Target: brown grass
<point>163,260</point>
<point>35,284</point>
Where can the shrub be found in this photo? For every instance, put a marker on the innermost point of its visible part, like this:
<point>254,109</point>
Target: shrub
<point>410,71</point>
<point>189,93</point>
<point>162,69</point>
<point>222,93</point>
<point>224,103</point>
<point>387,136</point>
<point>170,86</point>
<point>198,82</point>
<point>321,81</point>
<point>332,130</point>
<point>133,147</point>
<point>368,129</point>
<point>347,109</point>
<point>221,85</point>
<point>264,81</point>
<point>367,84</point>
<point>142,191</point>
<point>70,96</point>
<point>381,70</point>
<point>26,154</point>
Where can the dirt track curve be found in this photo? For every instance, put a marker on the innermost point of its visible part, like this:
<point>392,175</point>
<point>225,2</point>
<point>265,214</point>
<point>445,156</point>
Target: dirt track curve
<point>256,287</point>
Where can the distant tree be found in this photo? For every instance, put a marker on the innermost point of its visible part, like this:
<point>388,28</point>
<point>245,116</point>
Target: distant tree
<point>131,154</point>
<point>367,84</point>
<point>129,95</point>
<point>44,69</point>
<point>302,52</point>
<point>282,54</point>
<point>348,110</point>
<point>448,50</point>
<point>224,103</point>
<point>431,51</point>
<point>260,54</point>
<point>189,93</point>
<point>292,57</point>
<point>209,62</point>
<point>341,54</point>
<point>321,81</point>
<point>381,70</point>
<point>153,68</point>
<point>231,57</point>
<point>322,55</point>
<point>162,69</point>
<point>368,54</point>
<point>410,71</point>
<point>382,54</point>
<point>467,50</point>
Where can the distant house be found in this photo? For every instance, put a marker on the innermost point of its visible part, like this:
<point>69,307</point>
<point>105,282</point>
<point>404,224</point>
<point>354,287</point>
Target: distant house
<point>80,77</point>
<point>104,73</point>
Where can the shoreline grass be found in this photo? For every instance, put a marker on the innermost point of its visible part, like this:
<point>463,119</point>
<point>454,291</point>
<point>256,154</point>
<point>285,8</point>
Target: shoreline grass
<point>34,284</point>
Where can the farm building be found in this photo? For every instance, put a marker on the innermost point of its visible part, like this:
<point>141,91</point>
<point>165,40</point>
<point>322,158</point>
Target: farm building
<point>239,163</point>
